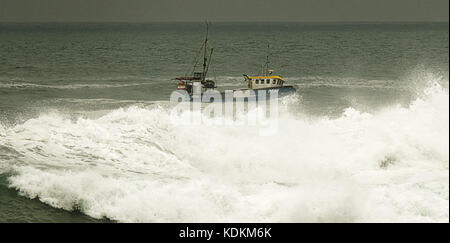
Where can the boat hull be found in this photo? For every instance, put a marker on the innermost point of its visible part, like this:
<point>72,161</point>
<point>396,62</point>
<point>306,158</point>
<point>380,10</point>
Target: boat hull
<point>265,93</point>
<point>246,95</point>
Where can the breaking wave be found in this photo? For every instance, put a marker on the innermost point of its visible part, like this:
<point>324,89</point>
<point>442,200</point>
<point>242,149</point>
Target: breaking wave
<point>133,165</point>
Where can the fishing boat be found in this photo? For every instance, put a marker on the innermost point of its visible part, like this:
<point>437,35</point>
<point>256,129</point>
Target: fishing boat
<point>263,86</point>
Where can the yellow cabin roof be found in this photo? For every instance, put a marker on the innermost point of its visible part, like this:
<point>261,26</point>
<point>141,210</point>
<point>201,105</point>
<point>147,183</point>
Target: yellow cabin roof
<point>264,77</point>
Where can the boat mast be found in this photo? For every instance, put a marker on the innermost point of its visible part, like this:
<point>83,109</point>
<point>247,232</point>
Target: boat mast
<point>207,66</point>
<point>204,54</point>
<point>267,60</point>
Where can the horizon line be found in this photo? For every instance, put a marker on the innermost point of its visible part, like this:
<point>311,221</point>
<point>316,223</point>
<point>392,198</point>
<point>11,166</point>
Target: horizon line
<point>228,21</point>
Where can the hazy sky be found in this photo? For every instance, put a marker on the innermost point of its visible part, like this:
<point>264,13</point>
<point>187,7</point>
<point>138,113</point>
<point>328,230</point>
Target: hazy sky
<point>222,10</point>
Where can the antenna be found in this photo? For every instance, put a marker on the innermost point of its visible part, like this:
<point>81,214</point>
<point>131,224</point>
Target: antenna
<point>207,29</point>
<point>267,59</point>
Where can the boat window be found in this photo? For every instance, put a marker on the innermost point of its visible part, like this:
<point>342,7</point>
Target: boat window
<point>274,81</point>
<point>267,81</point>
<point>257,81</point>
<point>279,82</point>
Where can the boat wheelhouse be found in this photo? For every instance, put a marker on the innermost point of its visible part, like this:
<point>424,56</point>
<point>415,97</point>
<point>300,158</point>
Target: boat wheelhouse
<point>264,82</point>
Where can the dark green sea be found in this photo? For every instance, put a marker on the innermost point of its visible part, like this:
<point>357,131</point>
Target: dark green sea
<point>85,131</point>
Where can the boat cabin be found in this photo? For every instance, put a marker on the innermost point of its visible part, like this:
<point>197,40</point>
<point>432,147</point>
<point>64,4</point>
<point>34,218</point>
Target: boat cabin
<point>264,82</point>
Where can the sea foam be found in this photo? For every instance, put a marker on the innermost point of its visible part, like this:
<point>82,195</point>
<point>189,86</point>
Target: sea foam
<point>134,165</point>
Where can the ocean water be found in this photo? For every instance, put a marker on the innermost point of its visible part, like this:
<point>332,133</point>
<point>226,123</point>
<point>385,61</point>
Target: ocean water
<point>85,131</point>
